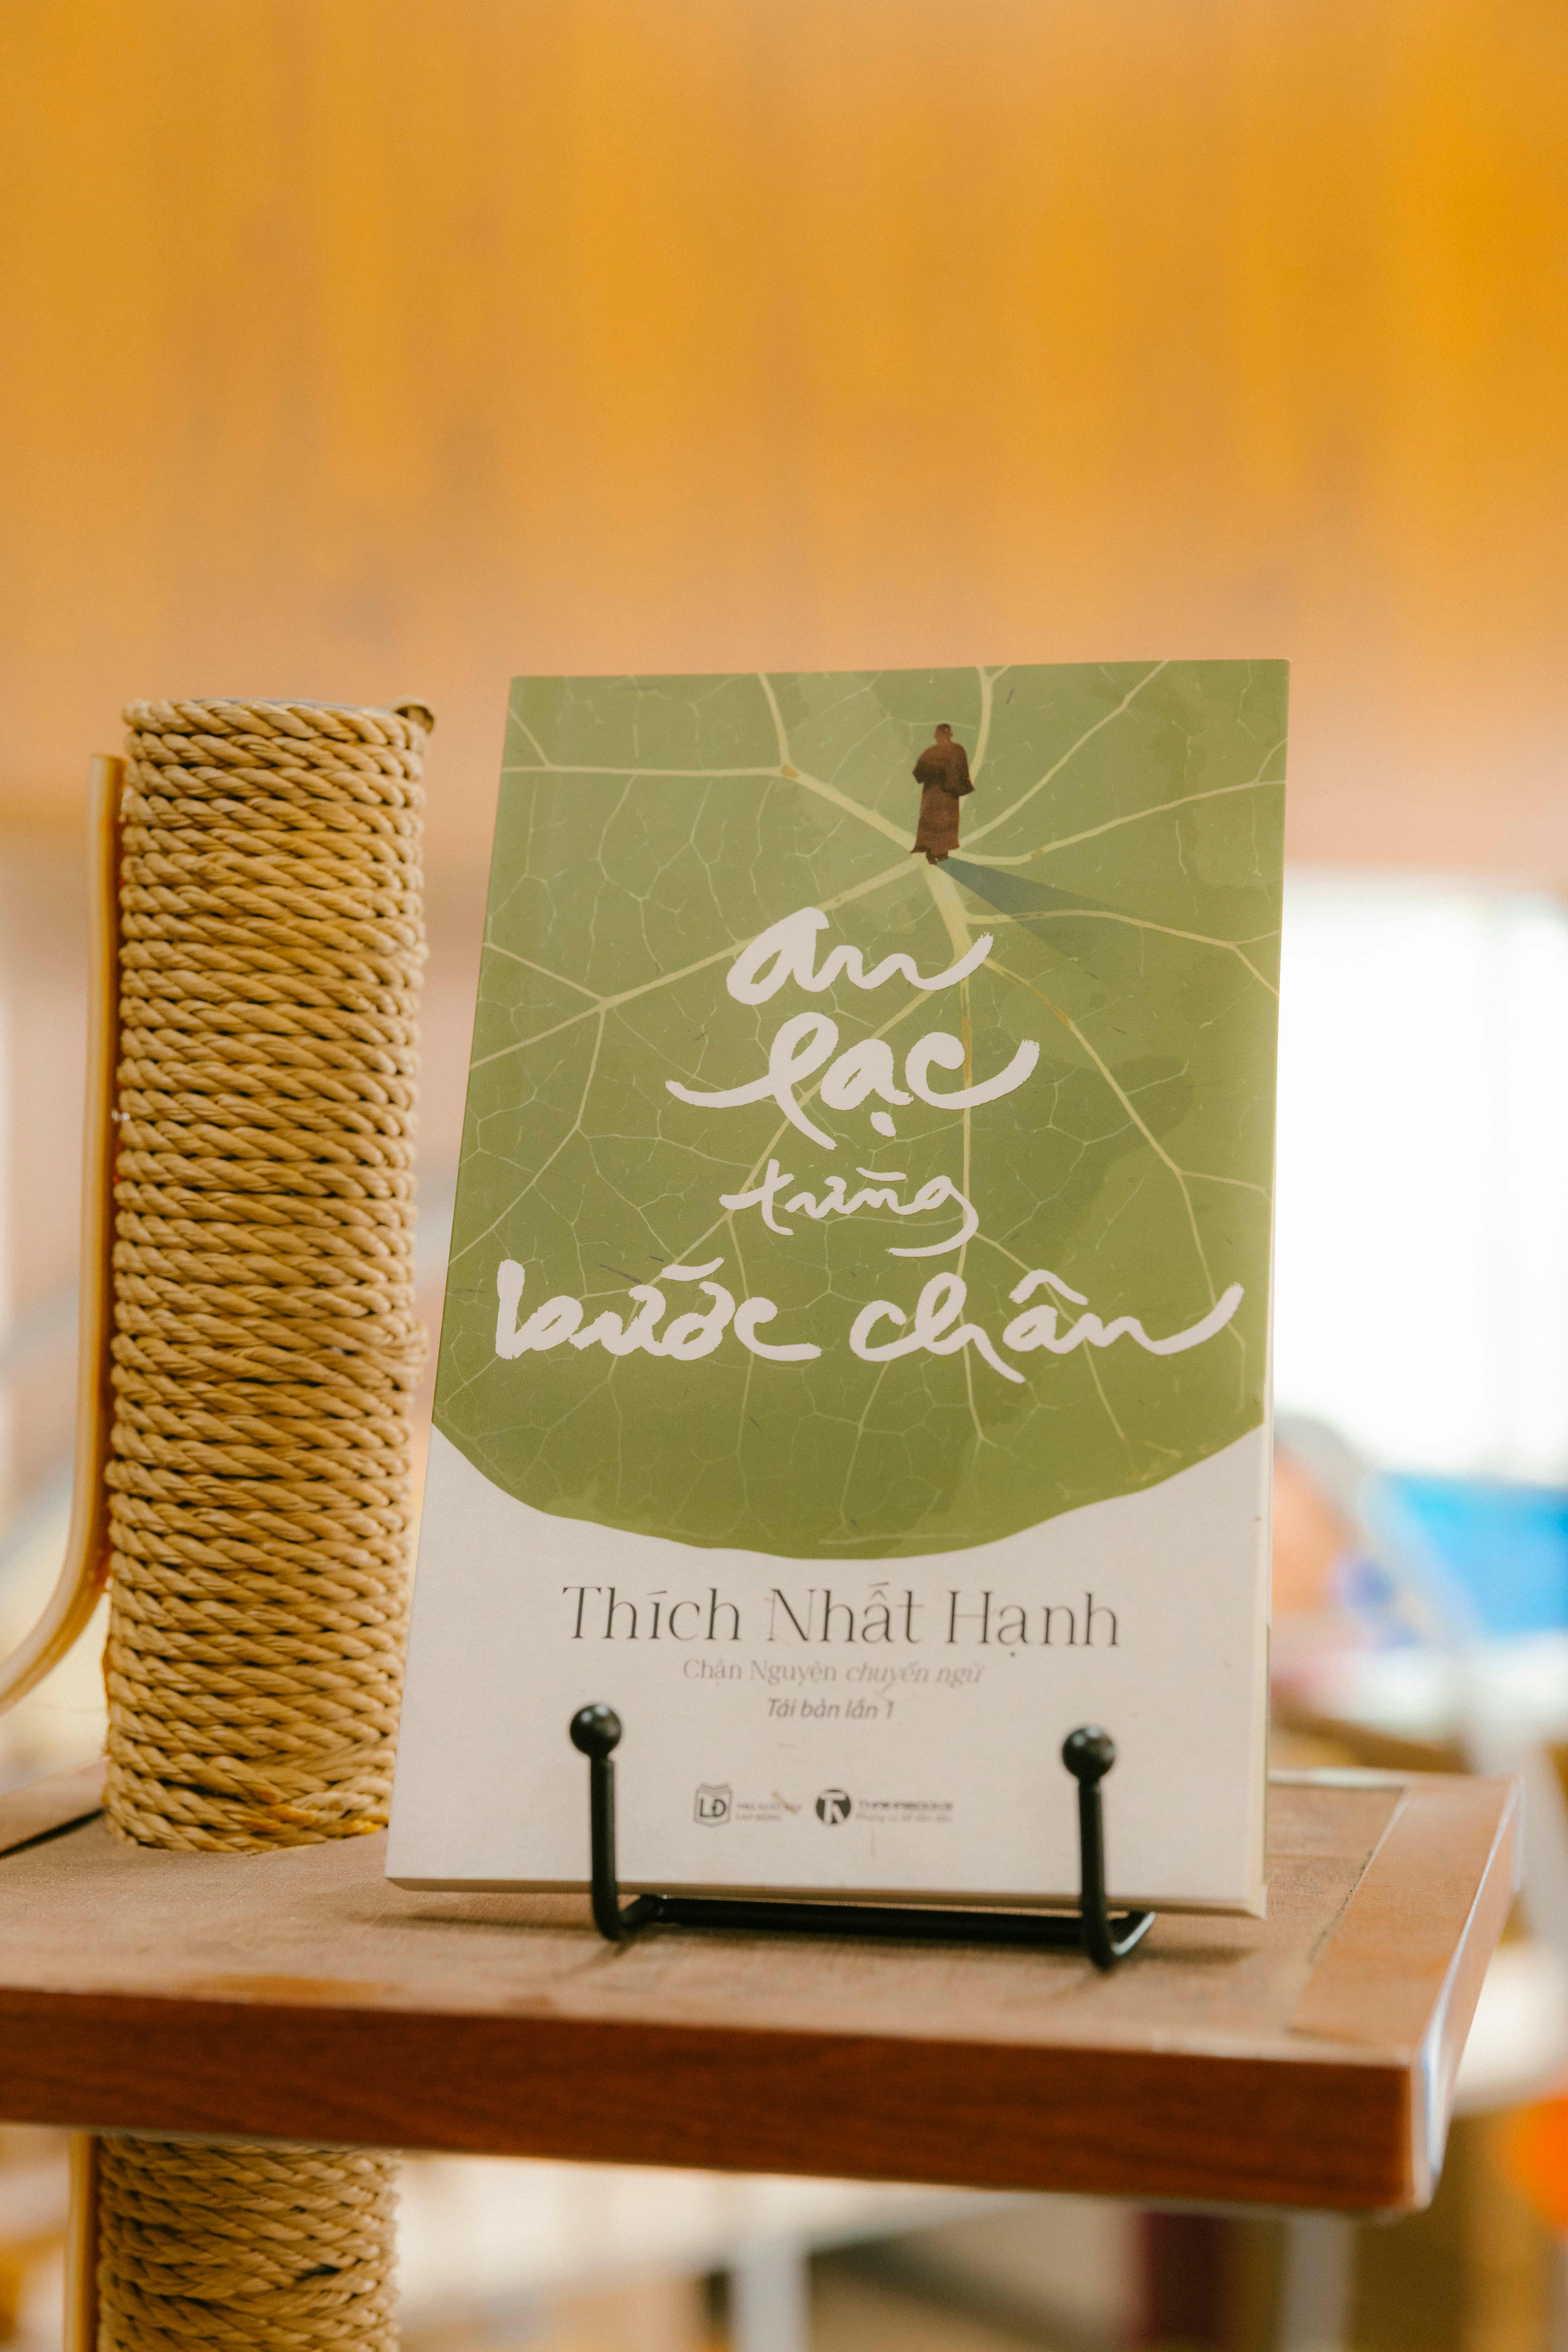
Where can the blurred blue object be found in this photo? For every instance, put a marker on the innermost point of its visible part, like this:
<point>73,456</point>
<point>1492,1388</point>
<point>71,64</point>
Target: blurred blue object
<point>1379,1601</point>
<point>1502,1551</point>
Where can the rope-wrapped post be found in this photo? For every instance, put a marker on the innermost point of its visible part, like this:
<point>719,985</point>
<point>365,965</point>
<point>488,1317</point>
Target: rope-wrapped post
<point>265,1353</point>
<point>217,2249</point>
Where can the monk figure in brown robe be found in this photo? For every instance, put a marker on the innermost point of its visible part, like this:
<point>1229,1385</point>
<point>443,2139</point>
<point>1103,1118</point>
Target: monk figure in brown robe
<point>942,772</point>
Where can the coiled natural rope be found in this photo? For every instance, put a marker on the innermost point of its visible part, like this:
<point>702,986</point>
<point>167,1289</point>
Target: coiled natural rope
<point>264,1340</point>
<point>244,2250</point>
<point>265,1350</point>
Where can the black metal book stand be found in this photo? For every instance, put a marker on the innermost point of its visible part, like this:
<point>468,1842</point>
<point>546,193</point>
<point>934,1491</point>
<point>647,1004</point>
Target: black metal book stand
<point>1089,1754</point>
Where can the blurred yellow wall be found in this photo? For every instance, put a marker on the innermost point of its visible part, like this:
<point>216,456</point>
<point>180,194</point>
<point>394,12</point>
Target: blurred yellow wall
<point>368,348</point>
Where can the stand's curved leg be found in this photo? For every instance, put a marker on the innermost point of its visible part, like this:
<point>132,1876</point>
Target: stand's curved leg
<point>595,1734</point>
<point>1088,1754</point>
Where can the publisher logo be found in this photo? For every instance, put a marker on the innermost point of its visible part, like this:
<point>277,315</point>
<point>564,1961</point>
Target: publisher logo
<point>712,1805</point>
<point>833,1806</point>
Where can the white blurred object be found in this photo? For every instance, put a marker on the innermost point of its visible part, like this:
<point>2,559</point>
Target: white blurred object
<point>769,2297</point>
<point>1498,1697</point>
<point>1518,2048</point>
<point>62,1722</point>
<point>1315,2291</point>
<point>478,2232</point>
<point>1422,1265</point>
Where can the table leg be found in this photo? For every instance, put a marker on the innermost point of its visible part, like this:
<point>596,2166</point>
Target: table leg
<point>1314,2304</point>
<point>769,2298</point>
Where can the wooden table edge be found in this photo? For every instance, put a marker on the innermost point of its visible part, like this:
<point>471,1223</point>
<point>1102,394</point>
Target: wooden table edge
<point>1430,2020</point>
<point>1371,2109</point>
<point>1190,2126</point>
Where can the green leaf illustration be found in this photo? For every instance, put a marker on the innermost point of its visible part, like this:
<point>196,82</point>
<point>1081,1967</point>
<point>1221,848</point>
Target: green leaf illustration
<point>1121,847</point>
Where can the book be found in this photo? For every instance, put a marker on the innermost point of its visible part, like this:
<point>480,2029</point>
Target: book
<point>854,1362</point>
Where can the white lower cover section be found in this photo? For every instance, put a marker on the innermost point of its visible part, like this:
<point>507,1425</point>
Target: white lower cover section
<point>934,1753</point>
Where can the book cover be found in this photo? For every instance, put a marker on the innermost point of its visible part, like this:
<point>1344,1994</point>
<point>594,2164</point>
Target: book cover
<point>855,1361</point>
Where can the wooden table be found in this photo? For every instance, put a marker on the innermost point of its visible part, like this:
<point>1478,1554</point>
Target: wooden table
<point>1307,2061</point>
